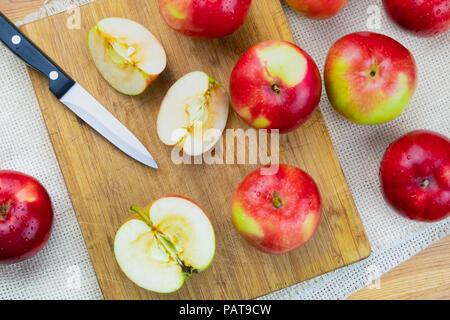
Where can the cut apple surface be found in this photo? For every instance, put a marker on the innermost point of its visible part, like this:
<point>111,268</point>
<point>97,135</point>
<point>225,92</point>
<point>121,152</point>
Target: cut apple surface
<point>127,54</point>
<point>165,243</point>
<point>193,114</point>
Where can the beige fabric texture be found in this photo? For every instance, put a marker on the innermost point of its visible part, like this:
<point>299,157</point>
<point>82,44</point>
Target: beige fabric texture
<point>63,269</point>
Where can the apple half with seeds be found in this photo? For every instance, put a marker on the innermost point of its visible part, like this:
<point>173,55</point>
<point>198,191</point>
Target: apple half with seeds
<point>127,54</point>
<point>165,243</point>
<point>193,114</point>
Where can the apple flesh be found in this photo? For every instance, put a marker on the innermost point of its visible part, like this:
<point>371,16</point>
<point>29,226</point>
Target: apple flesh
<point>204,18</point>
<point>165,243</point>
<point>277,213</point>
<point>126,54</point>
<point>193,114</point>
<point>275,85</point>
<point>318,9</point>
<point>370,78</point>
<point>26,217</point>
<point>415,176</point>
<point>423,18</point>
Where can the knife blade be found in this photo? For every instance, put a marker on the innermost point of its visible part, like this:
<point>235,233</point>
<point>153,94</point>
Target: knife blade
<point>73,95</point>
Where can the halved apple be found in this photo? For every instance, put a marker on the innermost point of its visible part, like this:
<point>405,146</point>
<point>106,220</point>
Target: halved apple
<point>167,242</point>
<point>193,114</point>
<point>127,54</point>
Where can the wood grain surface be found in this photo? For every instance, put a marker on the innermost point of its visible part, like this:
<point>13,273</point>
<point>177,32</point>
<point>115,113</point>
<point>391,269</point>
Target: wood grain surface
<point>17,10</point>
<point>425,276</point>
<point>103,182</point>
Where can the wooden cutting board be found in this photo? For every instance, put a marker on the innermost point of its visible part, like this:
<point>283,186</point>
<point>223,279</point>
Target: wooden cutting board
<point>103,182</point>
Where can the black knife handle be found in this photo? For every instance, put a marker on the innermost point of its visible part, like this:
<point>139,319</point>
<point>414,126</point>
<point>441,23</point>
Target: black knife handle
<point>26,50</point>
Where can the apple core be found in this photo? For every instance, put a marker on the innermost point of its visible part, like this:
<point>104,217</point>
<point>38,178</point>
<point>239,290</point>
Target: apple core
<point>164,245</point>
<point>193,113</point>
<point>126,54</point>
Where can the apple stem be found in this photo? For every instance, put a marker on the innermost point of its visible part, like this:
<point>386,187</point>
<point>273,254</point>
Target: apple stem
<point>276,201</point>
<point>4,209</point>
<point>425,183</point>
<point>142,215</point>
<point>188,271</point>
<point>276,88</point>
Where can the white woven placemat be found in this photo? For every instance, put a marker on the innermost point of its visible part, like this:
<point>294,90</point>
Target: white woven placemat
<point>63,269</point>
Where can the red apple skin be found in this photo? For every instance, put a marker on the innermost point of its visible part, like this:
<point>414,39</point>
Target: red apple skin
<point>423,18</point>
<point>205,18</point>
<point>318,9</point>
<point>415,176</point>
<point>370,78</point>
<point>26,217</point>
<point>277,230</point>
<point>259,103</point>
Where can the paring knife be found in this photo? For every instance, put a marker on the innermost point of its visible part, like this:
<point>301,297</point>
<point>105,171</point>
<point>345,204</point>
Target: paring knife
<point>74,96</point>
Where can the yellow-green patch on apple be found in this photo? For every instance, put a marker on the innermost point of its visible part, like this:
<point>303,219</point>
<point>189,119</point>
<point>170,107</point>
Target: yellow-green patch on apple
<point>261,122</point>
<point>284,62</point>
<point>245,223</point>
<point>176,12</point>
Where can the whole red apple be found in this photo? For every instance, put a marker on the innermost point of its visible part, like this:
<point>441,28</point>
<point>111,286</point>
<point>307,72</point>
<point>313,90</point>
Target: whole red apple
<point>204,18</point>
<point>26,217</point>
<point>415,176</point>
<point>424,18</point>
<point>277,213</point>
<point>318,9</point>
<point>275,85</point>
<point>370,78</point>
